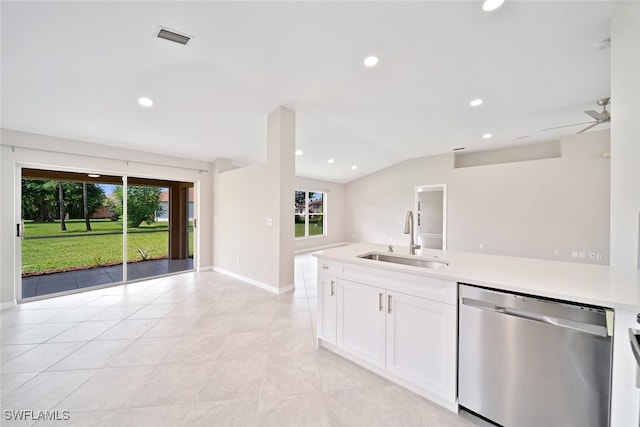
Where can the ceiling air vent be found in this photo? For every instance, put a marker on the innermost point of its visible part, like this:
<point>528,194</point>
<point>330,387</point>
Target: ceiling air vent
<point>173,36</point>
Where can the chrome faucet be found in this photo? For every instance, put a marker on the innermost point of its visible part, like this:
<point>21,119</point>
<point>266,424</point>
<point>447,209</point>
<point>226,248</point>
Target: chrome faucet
<point>408,229</point>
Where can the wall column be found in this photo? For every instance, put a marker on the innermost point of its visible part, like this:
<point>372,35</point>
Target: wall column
<point>281,136</point>
<point>625,196</point>
<point>625,135</point>
<point>253,212</point>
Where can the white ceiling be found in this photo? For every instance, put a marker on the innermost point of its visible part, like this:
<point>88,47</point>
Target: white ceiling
<point>76,69</point>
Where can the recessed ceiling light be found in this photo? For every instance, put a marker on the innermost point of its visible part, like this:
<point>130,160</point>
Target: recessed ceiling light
<point>476,102</point>
<point>490,5</point>
<point>371,61</point>
<point>299,152</point>
<point>354,167</point>
<point>93,175</point>
<point>487,136</point>
<point>331,161</point>
<point>145,102</point>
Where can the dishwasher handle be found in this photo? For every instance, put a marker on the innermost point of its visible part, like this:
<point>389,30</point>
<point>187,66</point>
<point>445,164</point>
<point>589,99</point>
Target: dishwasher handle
<point>601,331</point>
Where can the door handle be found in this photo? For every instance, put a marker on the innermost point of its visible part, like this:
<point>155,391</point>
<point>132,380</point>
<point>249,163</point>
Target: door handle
<point>332,289</point>
<point>389,304</point>
<point>380,307</point>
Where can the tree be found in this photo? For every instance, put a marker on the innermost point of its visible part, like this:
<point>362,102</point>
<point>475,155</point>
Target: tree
<point>63,226</point>
<point>74,198</point>
<point>113,203</point>
<point>85,202</point>
<point>39,200</point>
<point>300,207</point>
<point>143,204</point>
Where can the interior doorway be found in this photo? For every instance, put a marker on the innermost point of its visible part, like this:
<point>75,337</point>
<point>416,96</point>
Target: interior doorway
<point>83,230</point>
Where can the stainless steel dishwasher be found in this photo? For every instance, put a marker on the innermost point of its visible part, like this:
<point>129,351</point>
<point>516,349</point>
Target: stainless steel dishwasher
<point>528,362</point>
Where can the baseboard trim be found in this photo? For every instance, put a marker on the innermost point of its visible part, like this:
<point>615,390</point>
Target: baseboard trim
<point>206,268</point>
<point>257,283</point>
<point>8,304</point>
<point>319,248</point>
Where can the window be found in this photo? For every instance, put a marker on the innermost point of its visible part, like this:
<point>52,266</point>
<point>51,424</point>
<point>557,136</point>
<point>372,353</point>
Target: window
<point>310,213</point>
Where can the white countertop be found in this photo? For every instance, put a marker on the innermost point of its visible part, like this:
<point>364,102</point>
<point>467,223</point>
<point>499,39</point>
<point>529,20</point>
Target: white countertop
<point>583,283</point>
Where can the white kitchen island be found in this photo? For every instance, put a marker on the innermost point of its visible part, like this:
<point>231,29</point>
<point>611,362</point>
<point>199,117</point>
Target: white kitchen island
<point>400,321</point>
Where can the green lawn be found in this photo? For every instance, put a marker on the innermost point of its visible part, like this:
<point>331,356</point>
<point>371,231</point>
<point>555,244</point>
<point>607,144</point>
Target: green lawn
<point>77,248</point>
<point>315,229</point>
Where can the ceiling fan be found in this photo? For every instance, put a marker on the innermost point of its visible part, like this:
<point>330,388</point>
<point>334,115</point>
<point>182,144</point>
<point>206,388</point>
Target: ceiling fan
<point>600,117</point>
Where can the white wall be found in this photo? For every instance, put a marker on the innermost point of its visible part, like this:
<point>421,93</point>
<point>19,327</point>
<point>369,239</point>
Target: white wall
<point>334,214</point>
<point>254,229</point>
<point>527,209</point>
<point>625,194</point>
<point>625,134</point>
<point>45,152</point>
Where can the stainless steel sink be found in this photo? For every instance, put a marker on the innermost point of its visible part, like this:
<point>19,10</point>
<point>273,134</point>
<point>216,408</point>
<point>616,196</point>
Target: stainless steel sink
<point>397,259</point>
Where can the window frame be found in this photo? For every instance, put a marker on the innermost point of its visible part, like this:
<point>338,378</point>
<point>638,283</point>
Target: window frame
<point>306,214</point>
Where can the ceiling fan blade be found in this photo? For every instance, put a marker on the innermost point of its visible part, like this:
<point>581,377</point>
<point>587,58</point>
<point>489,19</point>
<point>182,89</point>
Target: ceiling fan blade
<point>566,126</point>
<point>596,115</point>
<point>588,127</point>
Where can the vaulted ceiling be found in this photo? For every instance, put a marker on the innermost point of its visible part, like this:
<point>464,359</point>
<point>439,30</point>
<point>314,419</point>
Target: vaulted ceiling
<point>76,70</point>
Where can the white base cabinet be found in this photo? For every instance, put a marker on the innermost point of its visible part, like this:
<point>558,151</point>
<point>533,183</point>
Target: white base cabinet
<point>327,306</point>
<point>361,321</point>
<point>421,343</point>
<point>327,300</point>
<point>402,326</point>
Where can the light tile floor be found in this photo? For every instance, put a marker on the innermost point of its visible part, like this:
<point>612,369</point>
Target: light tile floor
<point>197,349</point>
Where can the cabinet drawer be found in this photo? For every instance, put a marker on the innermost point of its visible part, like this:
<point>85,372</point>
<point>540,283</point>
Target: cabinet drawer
<point>420,286</point>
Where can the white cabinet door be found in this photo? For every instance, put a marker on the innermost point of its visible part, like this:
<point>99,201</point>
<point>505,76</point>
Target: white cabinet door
<point>327,306</point>
<point>421,343</point>
<point>361,321</point>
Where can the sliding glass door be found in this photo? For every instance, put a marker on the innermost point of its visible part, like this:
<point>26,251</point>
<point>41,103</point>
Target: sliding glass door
<point>76,225</point>
<point>72,237</point>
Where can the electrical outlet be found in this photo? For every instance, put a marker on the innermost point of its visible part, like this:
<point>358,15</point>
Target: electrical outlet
<point>598,257</point>
<point>556,252</point>
<point>582,254</point>
<point>574,254</point>
<point>481,245</point>
<point>238,260</point>
<point>592,255</point>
